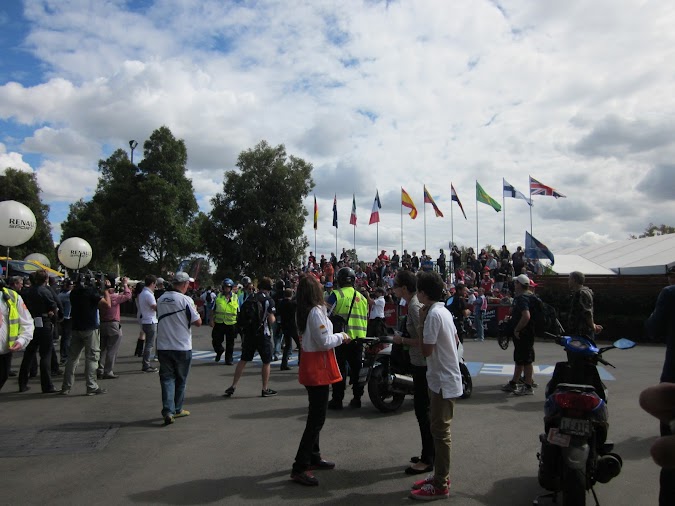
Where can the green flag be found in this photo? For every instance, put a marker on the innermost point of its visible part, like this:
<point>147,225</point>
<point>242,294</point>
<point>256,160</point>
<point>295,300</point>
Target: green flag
<point>482,196</point>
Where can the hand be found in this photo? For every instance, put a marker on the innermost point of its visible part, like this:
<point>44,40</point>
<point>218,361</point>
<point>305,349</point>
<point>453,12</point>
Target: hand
<point>345,338</point>
<point>597,328</point>
<point>124,281</point>
<point>16,346</point>
<point>516,334</point>
<point>659,401</point>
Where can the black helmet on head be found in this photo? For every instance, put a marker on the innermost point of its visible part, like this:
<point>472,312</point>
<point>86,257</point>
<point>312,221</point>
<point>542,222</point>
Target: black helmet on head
<point>228,282</point>
<point>346,277</point>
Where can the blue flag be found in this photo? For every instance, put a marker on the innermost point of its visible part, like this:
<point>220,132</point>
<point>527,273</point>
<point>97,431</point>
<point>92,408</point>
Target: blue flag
<point>536,249</point>
<point>335,223</point>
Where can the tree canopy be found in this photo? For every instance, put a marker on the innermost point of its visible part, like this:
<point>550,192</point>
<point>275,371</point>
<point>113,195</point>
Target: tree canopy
<point>23,187</point>
<point>140,216</point>
<point>255,225</point>
<point>653,230</point>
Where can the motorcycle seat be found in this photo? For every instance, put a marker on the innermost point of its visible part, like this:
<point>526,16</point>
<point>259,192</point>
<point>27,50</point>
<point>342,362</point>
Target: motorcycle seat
<point>575,387</point>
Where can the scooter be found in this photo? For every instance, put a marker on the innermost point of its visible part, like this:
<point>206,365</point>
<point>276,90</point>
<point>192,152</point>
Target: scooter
<point>575,453</point>
<point>388,381</point>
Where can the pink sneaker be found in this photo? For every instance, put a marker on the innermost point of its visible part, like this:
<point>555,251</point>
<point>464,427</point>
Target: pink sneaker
<point>430,492</point>
<point>429,480</point>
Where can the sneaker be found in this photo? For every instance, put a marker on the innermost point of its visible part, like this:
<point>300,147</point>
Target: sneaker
<point>98,391</point>
<point>229,392</point>
<point>109,376</point>
<point>510,387</point>
<point>64,391</point>
<point>335,404</point>
<point>521,381</point>
<point>218,355</point>
<point>168,420</point>
<point>429,480</point>
<point>523,389</point>
<point>182,413</point>
<point>305,478</point>
<point>355,403</point>
<point>151,369</point>
<point>430,492</point>
<point>269,393</point>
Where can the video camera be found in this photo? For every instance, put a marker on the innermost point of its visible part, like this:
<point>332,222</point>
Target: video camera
<point>89,279</point>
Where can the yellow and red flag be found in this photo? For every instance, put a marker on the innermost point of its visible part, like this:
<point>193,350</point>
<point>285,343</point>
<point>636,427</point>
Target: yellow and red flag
<point>406,201</point>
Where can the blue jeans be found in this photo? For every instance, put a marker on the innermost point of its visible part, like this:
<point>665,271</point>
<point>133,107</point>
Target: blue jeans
<point>478,324</point>
<point>174,367</point>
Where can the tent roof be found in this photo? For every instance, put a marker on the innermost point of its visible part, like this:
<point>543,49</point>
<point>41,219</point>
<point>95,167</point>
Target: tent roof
<point>649,255</point>
<point>564,264</point>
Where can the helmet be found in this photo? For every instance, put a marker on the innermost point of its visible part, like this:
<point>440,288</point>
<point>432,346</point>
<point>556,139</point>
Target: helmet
<point>346,277</point>
<point>228,282</point>
<point>246,281</point>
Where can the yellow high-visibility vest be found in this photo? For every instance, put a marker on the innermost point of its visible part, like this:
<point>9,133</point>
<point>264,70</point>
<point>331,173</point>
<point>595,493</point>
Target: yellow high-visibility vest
<point>358,319</point>
<point>13,317</point>
<point>225,311</point>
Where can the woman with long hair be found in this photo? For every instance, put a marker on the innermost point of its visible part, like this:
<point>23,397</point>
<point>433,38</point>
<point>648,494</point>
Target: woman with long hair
<point>318,370</point>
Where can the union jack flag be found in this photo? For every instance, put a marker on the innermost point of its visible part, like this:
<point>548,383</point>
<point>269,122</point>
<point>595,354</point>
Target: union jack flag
<point>536,188</point>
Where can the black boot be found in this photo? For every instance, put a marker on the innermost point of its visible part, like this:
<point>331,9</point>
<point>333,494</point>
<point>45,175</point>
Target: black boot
<point>139,348</point>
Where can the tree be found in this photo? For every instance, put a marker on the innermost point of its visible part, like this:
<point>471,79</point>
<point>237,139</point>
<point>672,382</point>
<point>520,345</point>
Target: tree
<point>255,226</point>
<point>652,230</point>
<point>142,217</point>
<point>23,187</point>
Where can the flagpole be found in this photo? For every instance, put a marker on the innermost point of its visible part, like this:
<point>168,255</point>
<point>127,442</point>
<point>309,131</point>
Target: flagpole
<point>315,241</point>
<point>336,250</point>
<point>452,225</point>
<point>377,238</point>
<point>477,248</point>
<point>401,220</point>
<point>425,223</point>
<point>529,183</point>
<point>504,209</point>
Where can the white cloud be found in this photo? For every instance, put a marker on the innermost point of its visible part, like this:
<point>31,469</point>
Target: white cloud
<point>374,95</point>
<point>12,159</point>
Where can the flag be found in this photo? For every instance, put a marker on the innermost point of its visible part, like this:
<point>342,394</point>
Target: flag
<point>316,214</point>
<point>406,201</point>
<point>377,205</point>
<point>510,191</point>
<point>536,188</point>
<point>429,200</point>
<point>456,199</point>
<point>482,196</point>
<point>352,218</point>
<point>335,224</point>
<point>536,249</point>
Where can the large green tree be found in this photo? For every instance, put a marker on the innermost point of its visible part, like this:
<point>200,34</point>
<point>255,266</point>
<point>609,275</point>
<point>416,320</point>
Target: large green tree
<point>255,226</point>
<point>142,217</point>
<point>653,230</point>
<point>23,187</point>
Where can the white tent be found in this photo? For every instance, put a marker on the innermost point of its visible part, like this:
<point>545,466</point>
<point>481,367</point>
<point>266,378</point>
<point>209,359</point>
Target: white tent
<point>650,255</point>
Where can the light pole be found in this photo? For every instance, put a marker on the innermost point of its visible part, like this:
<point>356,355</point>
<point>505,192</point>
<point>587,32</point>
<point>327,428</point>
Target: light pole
<point>132,145</point>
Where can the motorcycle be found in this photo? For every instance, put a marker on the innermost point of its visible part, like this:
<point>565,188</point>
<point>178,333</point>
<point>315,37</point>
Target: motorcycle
<point>575,453</point>
<point>387,378</point>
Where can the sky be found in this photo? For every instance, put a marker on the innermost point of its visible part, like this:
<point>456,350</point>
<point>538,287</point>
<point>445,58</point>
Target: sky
<point>376,95</point>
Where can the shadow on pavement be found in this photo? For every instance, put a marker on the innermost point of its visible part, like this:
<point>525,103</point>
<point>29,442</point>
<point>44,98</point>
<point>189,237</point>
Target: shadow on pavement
<point>521,490</point>
<point>271,486</point>
<point>634,448</point>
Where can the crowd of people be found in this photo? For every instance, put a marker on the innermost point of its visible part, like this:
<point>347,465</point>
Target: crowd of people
<point>321,309</point>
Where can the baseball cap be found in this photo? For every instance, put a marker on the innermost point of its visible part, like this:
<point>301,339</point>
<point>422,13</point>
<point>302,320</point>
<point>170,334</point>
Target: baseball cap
<point>181,277</point>
<point>522,279</point>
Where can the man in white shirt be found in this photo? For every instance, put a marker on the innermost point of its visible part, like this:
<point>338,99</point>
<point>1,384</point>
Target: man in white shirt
<point>439,346</point>
<point>376,325</point>
<point>147,314</point>
<point>176,313</point>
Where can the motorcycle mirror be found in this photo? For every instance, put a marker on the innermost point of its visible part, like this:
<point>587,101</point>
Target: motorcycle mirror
<point>624,344</point>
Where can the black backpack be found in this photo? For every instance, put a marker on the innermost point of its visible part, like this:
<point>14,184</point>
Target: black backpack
<point>252,315</point>
<point>545,317</point>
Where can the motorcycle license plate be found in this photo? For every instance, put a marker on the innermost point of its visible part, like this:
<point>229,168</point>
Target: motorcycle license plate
<point>558,439</point>
<point>575,426</point>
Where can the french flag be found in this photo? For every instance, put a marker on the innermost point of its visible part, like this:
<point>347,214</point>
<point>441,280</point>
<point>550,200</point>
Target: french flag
<point>377,205</point>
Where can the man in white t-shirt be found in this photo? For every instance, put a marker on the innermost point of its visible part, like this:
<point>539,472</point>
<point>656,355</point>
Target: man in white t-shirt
<point>439,346</point>
<point>147,314</point>
<point>376,325</point>
<point>176,313</point>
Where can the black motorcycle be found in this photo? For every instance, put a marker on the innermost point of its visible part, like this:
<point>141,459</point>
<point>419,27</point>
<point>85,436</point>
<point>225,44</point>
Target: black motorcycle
<point>387,377</point>
<point>575,453</point>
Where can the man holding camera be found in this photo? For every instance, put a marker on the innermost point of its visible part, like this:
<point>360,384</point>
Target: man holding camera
<point>85,300</point>
<point>111,330</point>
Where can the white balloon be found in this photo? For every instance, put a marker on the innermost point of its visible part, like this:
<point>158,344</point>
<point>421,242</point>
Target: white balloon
<point>74,253</point>
<point>17,223</point>
<point>39,257</point>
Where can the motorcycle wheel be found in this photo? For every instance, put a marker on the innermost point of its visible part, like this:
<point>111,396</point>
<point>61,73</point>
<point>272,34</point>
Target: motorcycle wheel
<point>379,394</point>
<point>573,487</point>
<point>467,382</point>
<point>503,342</point>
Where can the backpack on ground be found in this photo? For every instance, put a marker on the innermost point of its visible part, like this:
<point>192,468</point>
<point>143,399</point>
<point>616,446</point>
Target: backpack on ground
<point>252,316</point>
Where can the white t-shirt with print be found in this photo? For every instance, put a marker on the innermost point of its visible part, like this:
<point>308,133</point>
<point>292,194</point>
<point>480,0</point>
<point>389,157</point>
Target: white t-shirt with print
<point>175,312</point>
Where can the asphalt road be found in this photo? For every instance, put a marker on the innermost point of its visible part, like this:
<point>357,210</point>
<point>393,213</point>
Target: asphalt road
<point>112,449</point>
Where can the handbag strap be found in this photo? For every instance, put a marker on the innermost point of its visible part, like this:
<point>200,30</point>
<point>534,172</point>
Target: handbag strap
<point>349,314</point>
